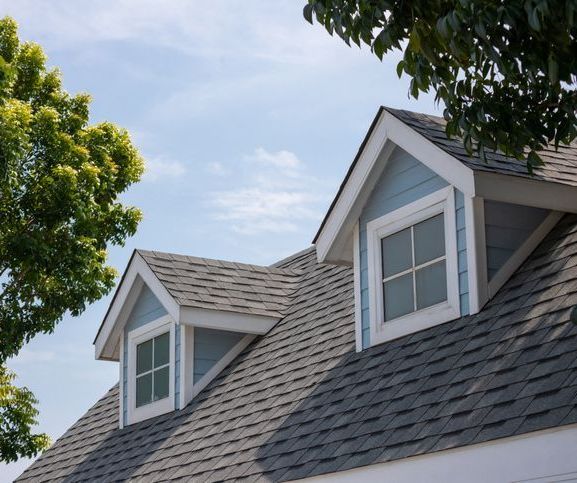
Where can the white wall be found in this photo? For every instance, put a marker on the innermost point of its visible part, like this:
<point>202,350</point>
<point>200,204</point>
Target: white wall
<point>539,457</point>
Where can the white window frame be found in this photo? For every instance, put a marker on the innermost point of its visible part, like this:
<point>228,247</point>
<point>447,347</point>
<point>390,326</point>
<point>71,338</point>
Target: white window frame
<point>441,201</point>
<point>138,336</point>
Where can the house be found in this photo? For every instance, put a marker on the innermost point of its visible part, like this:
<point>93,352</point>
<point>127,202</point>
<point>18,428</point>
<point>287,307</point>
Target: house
<point>428,335</point>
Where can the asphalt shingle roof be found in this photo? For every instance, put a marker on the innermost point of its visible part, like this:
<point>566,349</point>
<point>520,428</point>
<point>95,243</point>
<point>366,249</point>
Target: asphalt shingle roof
<point>560,165</point>
<point>219,285</point>
<point>300,401</point>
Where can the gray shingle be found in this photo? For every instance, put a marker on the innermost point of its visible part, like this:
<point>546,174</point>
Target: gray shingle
<point>300,401</point>
<point>216,284</point>
<point>560,166</point>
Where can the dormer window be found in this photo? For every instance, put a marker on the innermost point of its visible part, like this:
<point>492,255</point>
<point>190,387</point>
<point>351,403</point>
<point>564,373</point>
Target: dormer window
<point>413,277</point>
<point>177,322</point>
<point>151,368</point>
<point>414,268</point>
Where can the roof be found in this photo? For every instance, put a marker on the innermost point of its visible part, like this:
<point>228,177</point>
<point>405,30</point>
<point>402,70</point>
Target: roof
<point>560,165</point>
<point>219,285</point>
<point>300,401</point>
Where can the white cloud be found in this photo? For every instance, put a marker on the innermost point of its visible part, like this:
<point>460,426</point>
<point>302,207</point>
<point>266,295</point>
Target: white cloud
<point>276,198</point>
<point>233,28</point>
<point>160,167</point>
<point>253,210</point>
<point>217,169</point>
<point>280,159</point>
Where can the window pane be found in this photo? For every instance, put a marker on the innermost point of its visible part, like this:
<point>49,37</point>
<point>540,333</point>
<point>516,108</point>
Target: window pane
<point>431,284</point>
<point>161,350</point>
<point>396,252</point>
<point>144,357</point>
<point>398,294</point>
<point>143,390</point>
<point>161,383</point>
<point>429,239</point>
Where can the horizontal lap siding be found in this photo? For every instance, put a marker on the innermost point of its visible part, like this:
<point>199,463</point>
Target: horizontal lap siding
<point>462,252</point>
<point>177,339</point>
<point>146,309</point>
<point>210,346</point>
<point>507,226</point>
<point>403,181</point>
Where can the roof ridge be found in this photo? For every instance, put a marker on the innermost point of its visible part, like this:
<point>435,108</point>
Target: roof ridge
<point>287,260</point>
<point>212,261</point>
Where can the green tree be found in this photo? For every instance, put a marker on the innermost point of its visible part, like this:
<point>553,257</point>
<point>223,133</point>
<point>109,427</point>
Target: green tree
<point>505,70</point>
<point>17,416</point>
<point>60,179</point>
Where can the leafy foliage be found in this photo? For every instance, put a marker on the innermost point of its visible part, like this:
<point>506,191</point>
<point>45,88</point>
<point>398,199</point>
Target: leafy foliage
<point>17,415</point>
<point>505,70</point>
<point>60,179</point>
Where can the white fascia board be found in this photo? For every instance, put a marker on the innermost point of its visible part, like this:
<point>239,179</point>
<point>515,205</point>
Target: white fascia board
<point>476,253</point>
<point>537,457</point>
<point>357,289</point>
<point>334,243</point>
<point>121,382</point>
<point>137,274</point>
<point>525,191</point>
<point>342,215</point>
<point>231,321</point>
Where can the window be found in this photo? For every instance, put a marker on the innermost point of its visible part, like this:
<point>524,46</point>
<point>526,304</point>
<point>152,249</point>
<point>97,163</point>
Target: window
<point>413,275</point>
<point>152,370</point>
<point>414,268</point>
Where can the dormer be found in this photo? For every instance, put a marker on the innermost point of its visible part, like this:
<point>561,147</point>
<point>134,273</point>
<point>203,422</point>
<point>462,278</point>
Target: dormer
<point>176,322</point>
<point>432,233</point>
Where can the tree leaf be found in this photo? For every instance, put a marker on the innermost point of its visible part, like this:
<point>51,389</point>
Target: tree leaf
<point>308,12</point>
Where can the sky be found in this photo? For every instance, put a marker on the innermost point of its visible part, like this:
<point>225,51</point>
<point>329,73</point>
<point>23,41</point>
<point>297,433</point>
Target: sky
<point>248,118</point>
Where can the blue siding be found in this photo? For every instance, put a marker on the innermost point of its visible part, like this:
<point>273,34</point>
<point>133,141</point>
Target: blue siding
<point>209,347</point>
<point>146,309</point>
<point>462,252</point>
<point>403,181</point>
<point>507,226</point>
<point>177,338</point>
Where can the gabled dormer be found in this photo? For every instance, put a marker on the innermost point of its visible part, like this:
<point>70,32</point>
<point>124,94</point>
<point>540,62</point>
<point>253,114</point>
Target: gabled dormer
<point>176,322</point>
<point>432,233</point>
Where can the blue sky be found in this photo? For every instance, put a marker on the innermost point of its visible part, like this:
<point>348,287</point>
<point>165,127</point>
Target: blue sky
<point>248,118</point>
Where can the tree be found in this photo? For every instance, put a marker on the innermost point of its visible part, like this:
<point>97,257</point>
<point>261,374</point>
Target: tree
<point>60,179</point>
<point>17,416</point>
<point>505,70</point>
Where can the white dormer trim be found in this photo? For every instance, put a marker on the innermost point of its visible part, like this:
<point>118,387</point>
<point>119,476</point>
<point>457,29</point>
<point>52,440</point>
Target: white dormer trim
<point>334,241</point>
<point>357,288</point>
<point>442,201</point>
<point>106,344</point>
<point>137,274</point>
<point>230,321</point>
<point>137,336</point>
<point>476,252</point>
<point>520,190</point>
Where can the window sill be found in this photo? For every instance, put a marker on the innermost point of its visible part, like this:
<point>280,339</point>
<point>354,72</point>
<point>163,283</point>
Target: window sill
<point>156,408</point>
<point>414,322</point>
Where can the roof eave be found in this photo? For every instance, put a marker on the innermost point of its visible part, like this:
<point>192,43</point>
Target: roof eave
<point>137,273</point>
